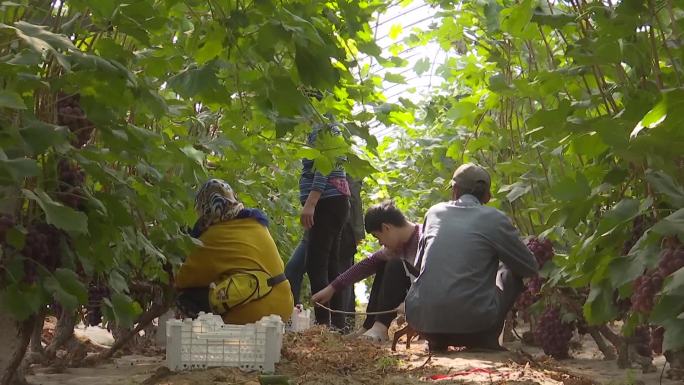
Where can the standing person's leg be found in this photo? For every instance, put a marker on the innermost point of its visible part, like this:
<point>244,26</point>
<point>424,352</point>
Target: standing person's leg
<point>296,268</point>
<point>337,300</point>
<point>329,217</point>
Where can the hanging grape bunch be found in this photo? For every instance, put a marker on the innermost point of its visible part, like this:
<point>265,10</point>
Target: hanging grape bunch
<point>542,249</point>
<point>649,284</point>
<point>70,114</point>
<point>71,178</point>
<point>552,334</point>
<point>671,260</point>
<point>543,252</point>
<point>41,248</point>
<point>94,307</point>
<point>531,294</point>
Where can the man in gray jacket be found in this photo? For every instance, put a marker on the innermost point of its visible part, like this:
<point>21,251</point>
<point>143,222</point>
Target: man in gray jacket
<point>472,262</point>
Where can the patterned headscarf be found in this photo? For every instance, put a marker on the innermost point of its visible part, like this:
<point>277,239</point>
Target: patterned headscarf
<point>216,202</point>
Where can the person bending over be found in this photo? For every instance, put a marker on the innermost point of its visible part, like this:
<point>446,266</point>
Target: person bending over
<point>392,266</point>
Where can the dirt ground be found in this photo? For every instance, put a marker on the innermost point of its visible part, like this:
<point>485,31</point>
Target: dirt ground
<point>319,357</point>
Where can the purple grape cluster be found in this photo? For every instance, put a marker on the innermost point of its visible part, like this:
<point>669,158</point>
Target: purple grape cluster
<point>42,246</point>
<point>645,288</point>
<point>531,294</point>
<point>671,260</point>
<point>553,334</point>
<point>542,249</point>
<point>71,178</point>
<point>70,114</point>
<point>649,284</point>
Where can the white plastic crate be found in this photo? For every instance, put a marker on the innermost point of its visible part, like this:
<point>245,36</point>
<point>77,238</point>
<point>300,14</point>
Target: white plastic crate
<point>208,342</point>
<point>300,320</point>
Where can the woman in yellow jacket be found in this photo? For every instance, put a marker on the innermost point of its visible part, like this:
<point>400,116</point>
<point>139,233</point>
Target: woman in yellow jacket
<point>237,272</point>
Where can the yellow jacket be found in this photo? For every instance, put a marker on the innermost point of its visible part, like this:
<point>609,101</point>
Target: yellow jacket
<point>238,244</point>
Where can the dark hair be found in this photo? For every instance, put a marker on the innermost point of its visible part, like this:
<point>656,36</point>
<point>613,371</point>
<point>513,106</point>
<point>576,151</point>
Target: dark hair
<point>480,191</point>
<point>384,212</point>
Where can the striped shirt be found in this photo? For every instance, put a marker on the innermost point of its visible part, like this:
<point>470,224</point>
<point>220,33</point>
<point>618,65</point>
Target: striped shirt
<point>331,185</point>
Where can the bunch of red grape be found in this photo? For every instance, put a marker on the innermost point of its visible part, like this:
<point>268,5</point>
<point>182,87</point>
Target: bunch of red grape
<point>531,294</point>
<point>671,260</point>
<point>649,284</point>
<point>71,178</point>
<point>41,246</point>
<point>553,334</point>
<point>94,307</point>
<point>542,249</point>
<point>70,114</point>
<point>645,288</point>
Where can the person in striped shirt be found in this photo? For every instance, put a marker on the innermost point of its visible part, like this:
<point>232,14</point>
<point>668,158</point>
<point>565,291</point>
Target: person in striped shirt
<point>325,207</point>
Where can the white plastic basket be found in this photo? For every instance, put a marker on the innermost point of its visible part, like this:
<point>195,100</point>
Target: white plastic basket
<point>300,320</point>
<point>208,342</point>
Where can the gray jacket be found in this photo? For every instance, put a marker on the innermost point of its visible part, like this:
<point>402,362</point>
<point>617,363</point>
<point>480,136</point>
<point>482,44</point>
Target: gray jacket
<point>459,254</point>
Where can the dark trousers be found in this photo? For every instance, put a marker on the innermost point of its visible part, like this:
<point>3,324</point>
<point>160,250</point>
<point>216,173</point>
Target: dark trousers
<point>390,286</point>
<point>509,288</point>
<point>346,260</point>
<point>296,267</point>
<point>322,253</point>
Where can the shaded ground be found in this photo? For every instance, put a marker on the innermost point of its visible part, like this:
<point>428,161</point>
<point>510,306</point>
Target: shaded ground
<point>318,357</point>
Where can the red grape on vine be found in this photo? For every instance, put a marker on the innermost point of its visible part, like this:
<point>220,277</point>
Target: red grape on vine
<point>645,288</point>
<point>553,334</point>
<point>70,114</point>
<point>41,248</point>
<point>542,249</point>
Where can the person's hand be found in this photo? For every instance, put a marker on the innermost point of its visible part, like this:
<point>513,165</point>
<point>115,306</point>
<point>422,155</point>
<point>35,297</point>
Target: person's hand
<point>401,309</point>
<point>307,216</point>
<point>324,295</point>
